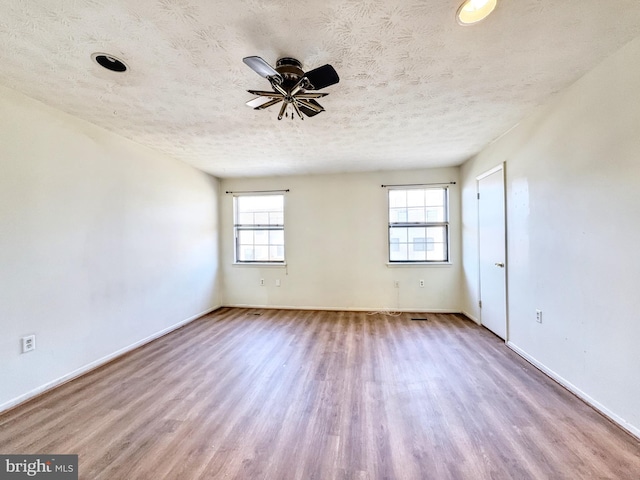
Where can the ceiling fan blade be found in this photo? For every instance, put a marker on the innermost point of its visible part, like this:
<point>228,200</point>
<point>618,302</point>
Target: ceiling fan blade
<point>308,112</point>
<point>308,108</point>
<point>260,103</point>
<point>308,95</point>
<point>262,68</point>
<point>322,77</point>
<point>265,93</point>
<point>310,104</point>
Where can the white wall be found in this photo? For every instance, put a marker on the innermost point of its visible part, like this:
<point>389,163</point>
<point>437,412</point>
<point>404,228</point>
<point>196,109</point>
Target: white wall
<point>573,219</point>
<point>103,243</point>
<point>336,247</point>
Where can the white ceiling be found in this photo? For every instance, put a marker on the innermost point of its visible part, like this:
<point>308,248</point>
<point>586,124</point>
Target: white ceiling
<point>416,90</point>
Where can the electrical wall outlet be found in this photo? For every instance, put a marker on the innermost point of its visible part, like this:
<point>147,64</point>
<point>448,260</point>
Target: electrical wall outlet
<point>396,284</point>
<point>421,283</point>
<point>262,282</point>
<point>28,343</point>
<point>278,282</point>
<point>539,316</point>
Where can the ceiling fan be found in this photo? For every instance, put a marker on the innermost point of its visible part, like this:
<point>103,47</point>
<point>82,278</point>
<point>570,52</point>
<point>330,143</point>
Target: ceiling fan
<point>291,86</point>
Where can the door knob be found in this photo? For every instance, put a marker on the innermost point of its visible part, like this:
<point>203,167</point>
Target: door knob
<point>500,264</point>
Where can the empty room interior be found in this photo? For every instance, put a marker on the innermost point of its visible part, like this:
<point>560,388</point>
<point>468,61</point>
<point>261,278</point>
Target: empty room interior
<point>338,240</point>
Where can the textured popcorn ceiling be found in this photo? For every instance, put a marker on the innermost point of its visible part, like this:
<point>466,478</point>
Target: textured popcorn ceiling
<point>416,89</point>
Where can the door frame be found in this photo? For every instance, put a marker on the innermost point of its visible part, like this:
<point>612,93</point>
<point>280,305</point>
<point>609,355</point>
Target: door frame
<point>501,167</point>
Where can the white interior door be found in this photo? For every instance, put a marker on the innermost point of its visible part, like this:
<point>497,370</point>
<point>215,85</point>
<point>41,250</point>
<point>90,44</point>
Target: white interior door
<point>492,240</point>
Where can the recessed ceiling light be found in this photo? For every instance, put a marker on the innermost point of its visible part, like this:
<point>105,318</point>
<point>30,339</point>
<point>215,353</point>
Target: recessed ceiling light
<point>474,11</point>
<point>109,62</point>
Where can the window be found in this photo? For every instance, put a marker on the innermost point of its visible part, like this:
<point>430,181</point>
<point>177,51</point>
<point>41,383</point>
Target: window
<point>259,228</point>
<point>419,225</point>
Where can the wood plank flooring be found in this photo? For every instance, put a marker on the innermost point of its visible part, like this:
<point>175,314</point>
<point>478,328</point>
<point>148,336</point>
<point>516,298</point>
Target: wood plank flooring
<point>322,395</point>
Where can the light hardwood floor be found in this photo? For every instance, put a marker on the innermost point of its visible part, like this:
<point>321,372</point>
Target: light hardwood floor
<point>322,395</point>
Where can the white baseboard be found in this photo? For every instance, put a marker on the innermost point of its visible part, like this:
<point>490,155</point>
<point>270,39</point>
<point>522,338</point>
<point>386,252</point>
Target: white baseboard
<point>98,363</point>
<point>342,309</point>
<point>632,430</point>
<point>471,317</point>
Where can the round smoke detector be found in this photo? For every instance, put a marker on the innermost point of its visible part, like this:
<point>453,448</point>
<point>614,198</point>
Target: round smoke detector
<point>109,62</point>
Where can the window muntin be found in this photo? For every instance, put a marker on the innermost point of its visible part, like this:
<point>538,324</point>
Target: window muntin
<point>419,225</point>
<point>259,228</point>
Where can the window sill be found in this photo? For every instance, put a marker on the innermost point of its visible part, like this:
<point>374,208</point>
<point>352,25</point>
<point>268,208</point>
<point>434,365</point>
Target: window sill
<point>258,264</point>
<point>419,264</point>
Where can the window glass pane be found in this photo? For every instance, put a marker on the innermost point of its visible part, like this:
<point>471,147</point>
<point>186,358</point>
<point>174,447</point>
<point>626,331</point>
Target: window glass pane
<point>276,218</point>
<point>435,214</point>
<point>437,233</point>
<point>272,202</point>
<point>398,215</point>
<point>261,253</point>
<point>276,253</point>
<point>245,237</point>
<point>261,218</point>
<point>417,252</point>
<point>429,244</point>
<point>415,198</point>
<point>245,218</point>
<point>437,244</point>
<point>262,237</point>
<point>248,203</point>
<point>415,233</point>
<point>276,237</point>
<point>435,197</point>
<point>419,244</point>
<point>399,255</point>
<point>398,235</point>
<point>416,214</point>
<point>397,198</point>
<point>438,253</point>
<point>245,253</point>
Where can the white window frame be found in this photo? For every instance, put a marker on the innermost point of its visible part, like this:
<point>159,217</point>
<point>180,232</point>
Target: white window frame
<point>238,227</point>
<point>426,224</point>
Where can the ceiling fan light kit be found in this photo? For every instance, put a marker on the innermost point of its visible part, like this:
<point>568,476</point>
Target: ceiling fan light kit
<point>291,86</point>
<point>474,11</point>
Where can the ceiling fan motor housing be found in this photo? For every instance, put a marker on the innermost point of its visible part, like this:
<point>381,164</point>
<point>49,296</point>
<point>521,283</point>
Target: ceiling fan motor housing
<point>291,71</point>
